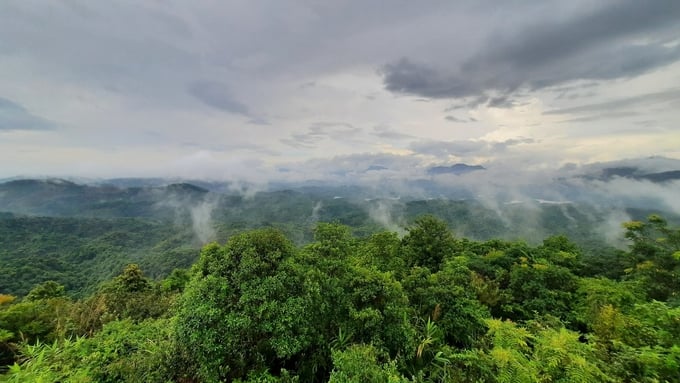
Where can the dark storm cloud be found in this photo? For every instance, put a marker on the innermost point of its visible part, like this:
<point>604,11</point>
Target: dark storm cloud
<point>319,131</point>
<point>217,95</point>
<point>15,117</point>
<point>406,76</point>
<point>621,39</point>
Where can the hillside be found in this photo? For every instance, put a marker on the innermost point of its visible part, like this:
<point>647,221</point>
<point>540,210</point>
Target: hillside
<point>80,252</point>
<point>78,234</point>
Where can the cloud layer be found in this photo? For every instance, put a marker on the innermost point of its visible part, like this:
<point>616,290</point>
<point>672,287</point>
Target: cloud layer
<point>618,40</point>
<point>280,89</point>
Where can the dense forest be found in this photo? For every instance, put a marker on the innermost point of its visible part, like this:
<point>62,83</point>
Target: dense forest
<point>80,235</point>
<point>428,306</point>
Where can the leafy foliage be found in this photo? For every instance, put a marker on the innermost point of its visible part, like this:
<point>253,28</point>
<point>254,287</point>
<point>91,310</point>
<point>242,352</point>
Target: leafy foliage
<point>243,309</point>
<point>121,352</point>
<point>427,307</point>
<point>81,253</point>
<point>654,257</point>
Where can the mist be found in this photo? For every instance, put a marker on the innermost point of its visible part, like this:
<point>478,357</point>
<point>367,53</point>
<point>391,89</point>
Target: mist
<point>202,221</point>
<point>190,210</point>
<point>501,201</point>
<point>315,211</point>
<point>611,228</point>
<point>386,213</point>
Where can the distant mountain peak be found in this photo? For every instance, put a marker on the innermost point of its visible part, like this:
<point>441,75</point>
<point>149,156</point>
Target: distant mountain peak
<point>185,187</point>
<point>635,173</point>
<point>41,182</point>
<point>376,168</point>
<point>456,169</point>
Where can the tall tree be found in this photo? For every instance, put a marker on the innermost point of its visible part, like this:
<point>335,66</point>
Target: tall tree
<point>654,257</point>
<point>244,308</point>
<point>428,242</point>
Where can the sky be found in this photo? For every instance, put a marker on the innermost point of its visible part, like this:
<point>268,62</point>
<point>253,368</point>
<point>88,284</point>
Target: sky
<point>294,90</point>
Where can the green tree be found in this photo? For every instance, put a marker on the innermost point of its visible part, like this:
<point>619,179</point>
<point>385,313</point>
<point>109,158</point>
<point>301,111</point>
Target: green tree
<point>176,281</point>
<point>382,251</point>
<point>45,290</point>
<point>363,363</point>
<point>559,251</point>
<point>595,293</point>
<point>640,344</point>
<point>132,295</point>
<point>44,319</point>
<point>428,242</point>
<point>539,287</point>
<point>654,257</point>
<point>131,280</point>
<point>447,298</point>
<point>122,352</point>
<point>244,309</point>
<point>351,296</point>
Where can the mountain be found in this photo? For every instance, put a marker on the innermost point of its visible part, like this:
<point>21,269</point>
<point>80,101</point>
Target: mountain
<point>634,173</point>
<point>62,230</point>
<point>653,169</point>
<point>662,176</point>
<point>456,169</point>
<point>215,186</point>
<point>376,168</point>
<point>62,198</point>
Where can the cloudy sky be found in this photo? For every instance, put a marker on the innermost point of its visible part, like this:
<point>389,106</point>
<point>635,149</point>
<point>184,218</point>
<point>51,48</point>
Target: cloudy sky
<point>302,89</point>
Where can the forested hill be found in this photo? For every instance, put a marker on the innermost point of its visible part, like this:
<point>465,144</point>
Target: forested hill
<point>62,198</point>
<point>82,252</point>
<point>80,234</point>
<point>427,307</point>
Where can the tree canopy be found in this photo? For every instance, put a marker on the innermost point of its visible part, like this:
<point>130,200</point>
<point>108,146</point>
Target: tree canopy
<point>426,307</point>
